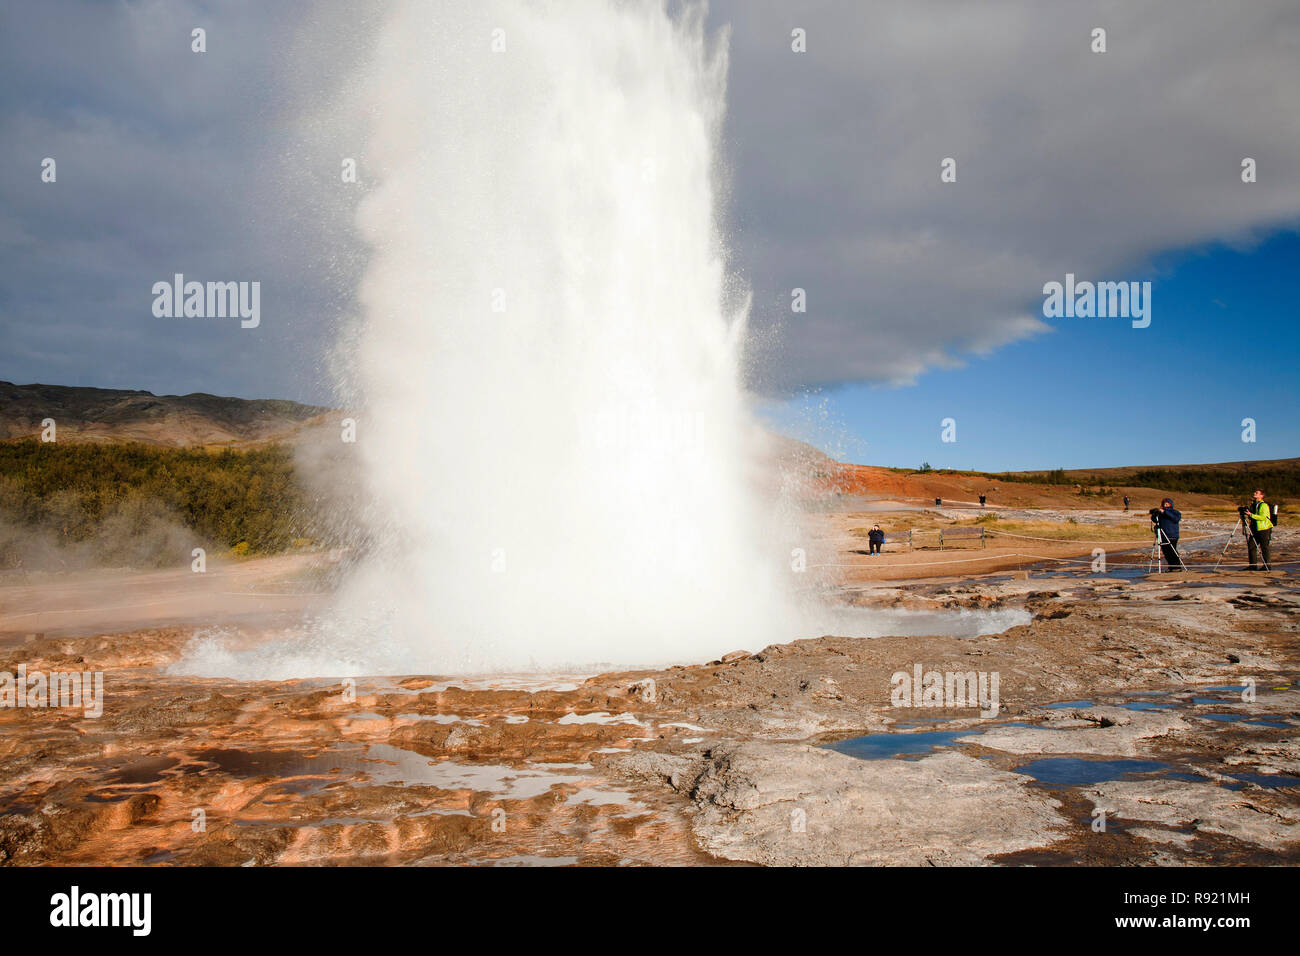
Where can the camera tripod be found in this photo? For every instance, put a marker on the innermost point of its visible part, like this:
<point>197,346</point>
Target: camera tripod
<point>1242,522</point>
<point>1157,552</point>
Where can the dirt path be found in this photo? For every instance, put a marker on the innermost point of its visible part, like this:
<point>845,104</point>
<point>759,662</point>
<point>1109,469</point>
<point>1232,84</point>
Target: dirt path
<point>259,591</point>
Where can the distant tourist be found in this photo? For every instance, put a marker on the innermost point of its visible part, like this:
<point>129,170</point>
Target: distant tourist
<point>1166,519</point>
<point>983,498</point>
<point>875,538</point>
<point>938,502</point>
<point>1126,502</point>
<point>1259,531</point>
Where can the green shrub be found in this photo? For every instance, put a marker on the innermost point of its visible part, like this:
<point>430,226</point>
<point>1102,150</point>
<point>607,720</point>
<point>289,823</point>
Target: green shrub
<point>114,494</point>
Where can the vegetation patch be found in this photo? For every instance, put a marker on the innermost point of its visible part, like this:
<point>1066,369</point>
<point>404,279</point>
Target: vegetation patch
<point>137,504</point>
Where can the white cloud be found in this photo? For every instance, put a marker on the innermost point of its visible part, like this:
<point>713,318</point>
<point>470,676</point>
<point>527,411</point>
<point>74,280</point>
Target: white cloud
<point>1067,160</point>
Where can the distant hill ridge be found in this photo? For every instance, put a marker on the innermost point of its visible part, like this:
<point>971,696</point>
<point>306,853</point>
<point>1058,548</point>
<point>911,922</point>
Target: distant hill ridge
<point>110,415</point>
<point>104,415</point>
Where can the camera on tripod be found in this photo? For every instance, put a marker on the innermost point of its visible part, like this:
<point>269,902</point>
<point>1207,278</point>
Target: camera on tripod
<point>1154,513</point>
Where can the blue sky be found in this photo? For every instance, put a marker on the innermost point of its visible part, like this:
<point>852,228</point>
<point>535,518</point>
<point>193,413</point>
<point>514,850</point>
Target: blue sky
<point>1097,392</point>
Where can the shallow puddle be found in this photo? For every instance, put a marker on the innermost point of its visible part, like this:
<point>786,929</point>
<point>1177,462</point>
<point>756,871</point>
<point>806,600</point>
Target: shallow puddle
<point>384,765</point>
<point>1270,780</point>
<point>1144,705</point>
<point>145,770</point>
<point>914,744</point>
<point>1078,772</point>
<point>1244,719</point>
<point>1064,771</point>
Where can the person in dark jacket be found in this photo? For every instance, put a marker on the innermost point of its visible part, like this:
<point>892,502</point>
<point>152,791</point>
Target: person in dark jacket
<point>1166,521</point>
<point>875,538</point>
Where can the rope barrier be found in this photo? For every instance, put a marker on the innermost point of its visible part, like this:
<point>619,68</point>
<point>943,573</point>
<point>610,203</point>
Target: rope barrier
<point>1147,541</point>
<point>1035,557</point>
<point>1047,557</point>
<point>926,564</point>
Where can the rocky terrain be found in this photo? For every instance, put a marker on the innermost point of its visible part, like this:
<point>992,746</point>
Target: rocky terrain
<point>1126,698</point>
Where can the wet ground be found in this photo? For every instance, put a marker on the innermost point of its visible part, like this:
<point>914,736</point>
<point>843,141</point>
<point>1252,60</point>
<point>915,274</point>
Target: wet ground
<point>1192,757</point>
<point>1168,710</point>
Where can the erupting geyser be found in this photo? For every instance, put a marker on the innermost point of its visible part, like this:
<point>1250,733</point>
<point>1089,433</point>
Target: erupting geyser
<point>559,460</point>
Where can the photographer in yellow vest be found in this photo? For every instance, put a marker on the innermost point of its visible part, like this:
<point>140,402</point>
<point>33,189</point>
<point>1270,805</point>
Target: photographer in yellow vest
<point>1259,531</point>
